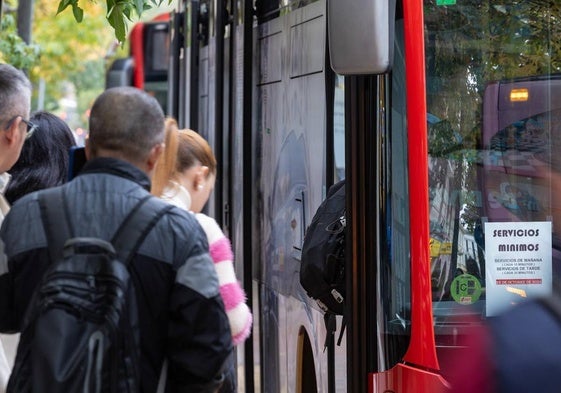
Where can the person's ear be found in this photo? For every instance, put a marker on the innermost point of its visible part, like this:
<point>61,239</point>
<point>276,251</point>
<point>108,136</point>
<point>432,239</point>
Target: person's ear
<point>12,134</point>
<point>204,171</point>
<point>201,177</point>
<point>154,155</point>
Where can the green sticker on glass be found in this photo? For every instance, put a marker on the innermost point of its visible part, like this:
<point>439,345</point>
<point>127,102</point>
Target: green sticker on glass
<point>465,289</point>
<point>445,2</point>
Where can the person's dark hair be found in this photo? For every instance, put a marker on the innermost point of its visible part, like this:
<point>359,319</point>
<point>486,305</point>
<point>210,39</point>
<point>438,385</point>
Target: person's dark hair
<point>15,93</point>
<point>43,162</point>
<point>126,121</point>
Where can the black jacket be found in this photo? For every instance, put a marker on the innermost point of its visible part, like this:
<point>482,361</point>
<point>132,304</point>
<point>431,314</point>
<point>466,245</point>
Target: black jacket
<point>182,317</point>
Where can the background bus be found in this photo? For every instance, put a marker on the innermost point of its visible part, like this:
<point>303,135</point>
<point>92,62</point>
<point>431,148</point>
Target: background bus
<point>147,67</point>
<point>273,85</point>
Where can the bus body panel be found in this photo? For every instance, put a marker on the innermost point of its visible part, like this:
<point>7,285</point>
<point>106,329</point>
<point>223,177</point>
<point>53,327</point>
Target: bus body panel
<point>404,378</point>
<point>290,133</point>
<point>289,180</point>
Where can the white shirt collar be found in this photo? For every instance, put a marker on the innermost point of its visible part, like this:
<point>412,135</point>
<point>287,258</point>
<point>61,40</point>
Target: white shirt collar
<point>177,195</point>
<point>4,180</point>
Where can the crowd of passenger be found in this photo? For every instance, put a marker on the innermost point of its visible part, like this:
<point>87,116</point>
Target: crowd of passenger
<point>191,308</point>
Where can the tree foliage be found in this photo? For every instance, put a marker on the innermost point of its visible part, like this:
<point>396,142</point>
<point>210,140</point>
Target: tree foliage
<point>476,42</point>
<point>13,49</point>
<point>66,57</point>
<point>72,56</point>
<point>118,12</point>
<point>469,45</point>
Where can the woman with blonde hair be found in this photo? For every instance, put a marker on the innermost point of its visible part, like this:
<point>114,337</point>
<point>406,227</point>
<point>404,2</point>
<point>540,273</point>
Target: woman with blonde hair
<point>184,176</point>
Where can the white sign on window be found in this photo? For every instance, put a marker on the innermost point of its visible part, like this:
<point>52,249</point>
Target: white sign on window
<point>517,263</point>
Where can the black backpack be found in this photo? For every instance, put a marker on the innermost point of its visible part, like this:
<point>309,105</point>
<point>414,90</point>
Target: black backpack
<point>80,333</point>
<point>322,269</point>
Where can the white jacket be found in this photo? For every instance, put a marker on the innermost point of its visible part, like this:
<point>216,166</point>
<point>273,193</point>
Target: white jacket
<point>233,295</point>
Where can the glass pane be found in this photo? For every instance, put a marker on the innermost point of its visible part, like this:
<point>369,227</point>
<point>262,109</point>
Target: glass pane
<point>394,264</point>
<point>159,54</point>
<point>493,121</point>
<point>339,128</point>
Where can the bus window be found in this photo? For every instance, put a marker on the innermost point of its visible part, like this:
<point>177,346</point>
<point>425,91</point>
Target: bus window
<point>267,9</point>
<point>339,128</point>
<point>493,108</point>
<point>156,48</point>
<point>395,262</point>
<point>157,51</point>
<point>519,137</point>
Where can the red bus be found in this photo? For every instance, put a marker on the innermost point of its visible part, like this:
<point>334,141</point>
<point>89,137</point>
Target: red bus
<point>398,98</point>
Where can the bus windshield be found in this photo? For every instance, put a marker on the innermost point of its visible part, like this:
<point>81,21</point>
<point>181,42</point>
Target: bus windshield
<point>492,71</point>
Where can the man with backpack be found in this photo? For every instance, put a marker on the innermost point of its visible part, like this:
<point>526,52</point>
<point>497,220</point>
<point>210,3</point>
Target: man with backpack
<point>112,289</point>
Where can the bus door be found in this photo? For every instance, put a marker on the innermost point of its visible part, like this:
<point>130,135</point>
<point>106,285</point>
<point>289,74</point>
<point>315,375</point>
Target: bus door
<point>390,340</point>
<point>479,113</point>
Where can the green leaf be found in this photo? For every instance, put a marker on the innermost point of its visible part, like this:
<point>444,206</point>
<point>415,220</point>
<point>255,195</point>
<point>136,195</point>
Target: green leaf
<point>78,12</point>
<point>110,6</point>
<point>117,21</point>
<point>62,5</point>
<point>139,6</point>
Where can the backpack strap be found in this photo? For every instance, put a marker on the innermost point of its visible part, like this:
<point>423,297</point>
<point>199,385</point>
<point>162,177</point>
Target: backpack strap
<point>56,223</point>
<point>129,236</point>
<point>136,226</point>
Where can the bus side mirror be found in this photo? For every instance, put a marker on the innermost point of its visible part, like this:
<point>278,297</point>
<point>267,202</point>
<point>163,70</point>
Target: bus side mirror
<point>361,34</point>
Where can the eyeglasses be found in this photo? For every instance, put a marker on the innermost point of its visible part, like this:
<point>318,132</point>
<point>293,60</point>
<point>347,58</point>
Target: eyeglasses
<point>31,127</point>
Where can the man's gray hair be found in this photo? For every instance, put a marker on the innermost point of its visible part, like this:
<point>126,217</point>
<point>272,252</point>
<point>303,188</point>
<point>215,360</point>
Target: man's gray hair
<point>15,93</point>
<point>127,121</point>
